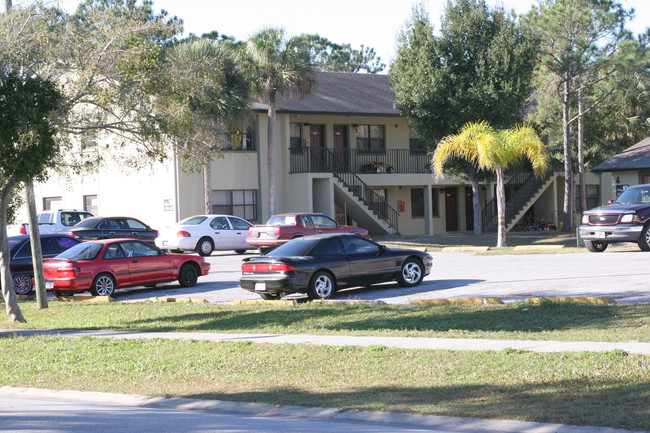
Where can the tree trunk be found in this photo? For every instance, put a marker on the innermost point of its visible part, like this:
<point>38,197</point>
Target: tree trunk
<point>567,217</point>
<point>476,204</point>
<point>37,252</point>
<point>581,151</point>
<point>207,188</point>
<point>501,208</point>
<point>7,6</point>
<point>271,151</point>
<point>6,281</point>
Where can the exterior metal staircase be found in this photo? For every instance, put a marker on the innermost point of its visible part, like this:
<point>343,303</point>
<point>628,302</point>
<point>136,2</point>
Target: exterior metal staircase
<point>362,203</point>
<point>528,189</point>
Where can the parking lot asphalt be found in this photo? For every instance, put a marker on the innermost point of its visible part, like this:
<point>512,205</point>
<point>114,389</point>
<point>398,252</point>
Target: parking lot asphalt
<point>621,275</point>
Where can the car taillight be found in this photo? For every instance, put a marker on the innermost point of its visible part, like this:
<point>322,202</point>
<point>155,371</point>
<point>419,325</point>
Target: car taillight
<point>266,267</point>
<point>74,235</point>
<point>69,270</point>
<point>23,229</point>
<point>183,234</point>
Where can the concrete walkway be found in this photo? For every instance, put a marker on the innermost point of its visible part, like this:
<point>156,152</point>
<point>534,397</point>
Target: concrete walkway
<point>348,340</point>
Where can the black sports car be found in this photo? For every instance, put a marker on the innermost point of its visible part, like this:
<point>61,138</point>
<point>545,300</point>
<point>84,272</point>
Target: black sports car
<point>96,228</point>
<point>318,265</point>
<point>20,252</point>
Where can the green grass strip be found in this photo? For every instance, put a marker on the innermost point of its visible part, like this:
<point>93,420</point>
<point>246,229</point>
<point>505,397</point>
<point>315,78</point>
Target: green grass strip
<point>601,389</point>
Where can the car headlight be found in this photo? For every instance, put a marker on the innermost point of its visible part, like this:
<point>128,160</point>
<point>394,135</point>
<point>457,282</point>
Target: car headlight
<point>585,219</point>
<point>629,218</point>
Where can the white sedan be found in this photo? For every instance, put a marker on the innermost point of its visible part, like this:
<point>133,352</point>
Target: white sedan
<point>206,233</point>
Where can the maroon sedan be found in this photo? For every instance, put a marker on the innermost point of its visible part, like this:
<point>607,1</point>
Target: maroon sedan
<point>281,228</point>
<point>104,265</point>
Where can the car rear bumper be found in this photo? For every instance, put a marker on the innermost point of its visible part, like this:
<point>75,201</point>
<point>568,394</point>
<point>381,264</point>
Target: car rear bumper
<point>173,243</point>
<point>609,234</point>
<point>265,242</point>
<point>68,285</point>
<point>286,284</point>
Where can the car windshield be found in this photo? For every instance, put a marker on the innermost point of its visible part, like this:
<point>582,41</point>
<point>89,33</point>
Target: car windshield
<point>193,220</point>
<point>635,195</point>
<point>294,248</point>
<point>282,220</point>
<point>82,251</point>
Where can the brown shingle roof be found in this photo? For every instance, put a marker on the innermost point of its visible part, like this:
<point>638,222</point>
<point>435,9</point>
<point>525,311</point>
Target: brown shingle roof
<point>633,158</point>
<point>342,93</point>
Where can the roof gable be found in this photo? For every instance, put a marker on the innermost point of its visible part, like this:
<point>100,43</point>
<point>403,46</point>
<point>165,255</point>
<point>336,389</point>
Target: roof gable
<point>635,157</point>
<point>342,93</point>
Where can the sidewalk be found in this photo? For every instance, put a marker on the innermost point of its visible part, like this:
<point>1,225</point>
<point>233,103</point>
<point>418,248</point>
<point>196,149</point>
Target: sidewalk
<point>349,340</point>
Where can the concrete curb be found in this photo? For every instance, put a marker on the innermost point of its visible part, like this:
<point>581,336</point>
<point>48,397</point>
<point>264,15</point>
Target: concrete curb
<point>457,301</point>
<point>575,300</point>
<point>262,301</point>
<point>86,299</point>
<point>180,300</point>
<point>446,423</point>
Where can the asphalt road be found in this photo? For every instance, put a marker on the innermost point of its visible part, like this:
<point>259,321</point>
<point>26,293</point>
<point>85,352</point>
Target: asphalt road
<point>622,275</point>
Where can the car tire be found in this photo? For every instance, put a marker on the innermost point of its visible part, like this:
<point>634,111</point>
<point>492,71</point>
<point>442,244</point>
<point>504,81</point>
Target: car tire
<point>644,239</point>
<point>23,284</point>
<point>321,286</point>
<point>204,247</point>
<point>103,285</point>
<point>597,247</point>
<point>240,251</point>
<point>411,273</point>
<point>188,275</point>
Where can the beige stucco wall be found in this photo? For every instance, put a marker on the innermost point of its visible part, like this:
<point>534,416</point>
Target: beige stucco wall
<point>143,194</point>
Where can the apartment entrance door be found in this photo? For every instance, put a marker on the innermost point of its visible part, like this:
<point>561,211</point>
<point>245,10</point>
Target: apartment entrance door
<point>317,141</point>
<point>341,148</point>
<point>451,209</point>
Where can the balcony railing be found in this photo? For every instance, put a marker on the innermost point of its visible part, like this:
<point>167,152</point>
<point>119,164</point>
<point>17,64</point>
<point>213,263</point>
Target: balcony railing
<point>362,161</point>
<point>323,160</point>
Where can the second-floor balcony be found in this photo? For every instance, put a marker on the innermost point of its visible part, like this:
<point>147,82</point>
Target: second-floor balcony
<point>319,160</point>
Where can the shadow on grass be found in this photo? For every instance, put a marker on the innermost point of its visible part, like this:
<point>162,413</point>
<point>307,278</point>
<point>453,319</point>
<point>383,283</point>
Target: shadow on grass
<point>579,402</point>
<point>509,318</point>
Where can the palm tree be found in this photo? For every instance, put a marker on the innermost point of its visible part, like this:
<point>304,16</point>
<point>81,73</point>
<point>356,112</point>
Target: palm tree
<point>208,95</point>
<point>277,64</point>
<point>493,150</point>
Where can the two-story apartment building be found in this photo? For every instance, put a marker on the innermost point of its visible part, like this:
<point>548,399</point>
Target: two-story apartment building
<point>345,151</point>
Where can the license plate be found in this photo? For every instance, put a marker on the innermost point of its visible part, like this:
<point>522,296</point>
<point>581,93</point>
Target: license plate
<point>49,284</point>
<point>165,242</point>
<point>601,235</point>
<point>260,287</point>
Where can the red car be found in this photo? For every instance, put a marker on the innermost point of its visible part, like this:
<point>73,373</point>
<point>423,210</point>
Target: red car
<point>104,265</point>
<point>282,228</point>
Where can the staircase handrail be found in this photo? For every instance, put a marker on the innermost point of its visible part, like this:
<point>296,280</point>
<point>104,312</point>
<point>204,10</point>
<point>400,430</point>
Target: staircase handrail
<point>341,170</point>
<point>529,184</point>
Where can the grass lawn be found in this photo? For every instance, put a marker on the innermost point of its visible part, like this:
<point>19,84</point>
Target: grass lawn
<point>601,389</point>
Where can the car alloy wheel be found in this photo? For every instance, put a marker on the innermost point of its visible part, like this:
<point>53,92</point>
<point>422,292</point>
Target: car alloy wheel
<point>104,285</point>
<point>321,286</point>
<point>412,274</point>
<point>23,284</point>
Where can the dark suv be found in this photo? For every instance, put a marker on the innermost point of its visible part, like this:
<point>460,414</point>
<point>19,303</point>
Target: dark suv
<point>625,219</point>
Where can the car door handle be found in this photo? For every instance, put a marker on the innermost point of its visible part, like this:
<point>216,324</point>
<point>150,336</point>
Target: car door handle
<point>134,261</point>
<point>217,233</point>
<point>111,233</point>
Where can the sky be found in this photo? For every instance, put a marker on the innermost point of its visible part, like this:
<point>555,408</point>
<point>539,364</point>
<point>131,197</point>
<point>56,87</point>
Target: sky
<point>372,23</point>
